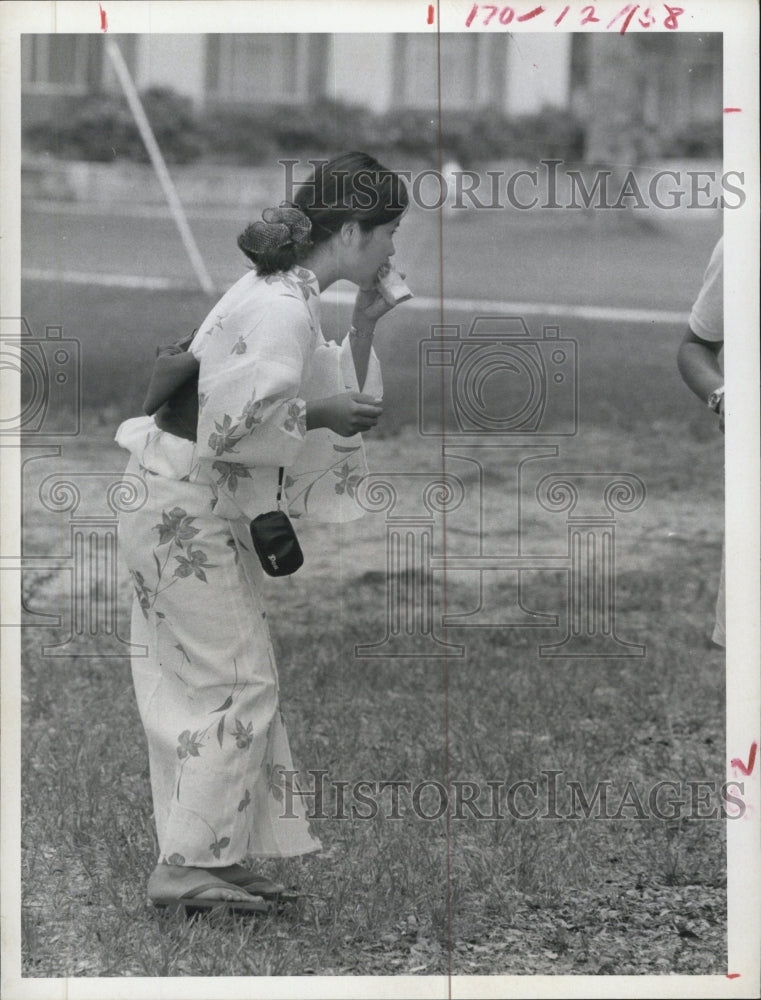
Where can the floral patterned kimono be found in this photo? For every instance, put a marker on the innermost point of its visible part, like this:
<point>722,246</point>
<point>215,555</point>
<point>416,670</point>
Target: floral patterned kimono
<point>206,682</point>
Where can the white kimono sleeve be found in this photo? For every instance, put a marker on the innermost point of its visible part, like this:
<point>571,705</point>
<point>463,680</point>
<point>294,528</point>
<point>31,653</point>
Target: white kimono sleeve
<point>250,408</point>
<point>322,482</point>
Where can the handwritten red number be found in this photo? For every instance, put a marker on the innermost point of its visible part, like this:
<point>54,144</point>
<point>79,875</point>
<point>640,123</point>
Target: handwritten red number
<point>561,15</point>
<point>506,15</point>
<point>624,10</point>
<point>532,13</point>
<point>493,9</point>
<point>590,17</point>
<point>629,17</point>
<point>650,19</point>
<point>671,22</point>
<point>472,15</point>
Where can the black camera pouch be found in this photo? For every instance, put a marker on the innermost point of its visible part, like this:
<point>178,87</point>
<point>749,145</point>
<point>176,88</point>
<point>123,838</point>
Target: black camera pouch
<point>275,540</point>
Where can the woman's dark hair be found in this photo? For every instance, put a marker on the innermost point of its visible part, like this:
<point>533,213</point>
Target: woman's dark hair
<point>352,187</point>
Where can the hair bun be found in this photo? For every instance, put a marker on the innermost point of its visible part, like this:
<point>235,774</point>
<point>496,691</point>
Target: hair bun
<point>261,236</point>
<point>293,217</point>
<point>283,225</point>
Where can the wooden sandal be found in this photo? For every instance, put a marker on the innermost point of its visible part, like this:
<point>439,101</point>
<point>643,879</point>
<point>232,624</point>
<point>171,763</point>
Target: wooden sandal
<point>200,881</point>
<point>257,885</point>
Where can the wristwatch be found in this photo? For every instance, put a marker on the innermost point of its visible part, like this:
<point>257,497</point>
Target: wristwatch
<point>714,400</point>
<point>354,332</point>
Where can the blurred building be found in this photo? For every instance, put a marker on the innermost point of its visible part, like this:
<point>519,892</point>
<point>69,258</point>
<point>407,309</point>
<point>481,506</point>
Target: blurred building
<point>667,81</point>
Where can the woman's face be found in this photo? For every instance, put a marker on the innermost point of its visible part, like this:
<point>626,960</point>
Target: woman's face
<point>375,248</point>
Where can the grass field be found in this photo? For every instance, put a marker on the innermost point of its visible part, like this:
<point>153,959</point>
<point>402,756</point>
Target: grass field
<point>411,895</point>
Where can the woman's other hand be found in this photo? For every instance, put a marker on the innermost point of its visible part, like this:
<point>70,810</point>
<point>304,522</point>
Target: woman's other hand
<point>369,306</point>
<point>347,414</point>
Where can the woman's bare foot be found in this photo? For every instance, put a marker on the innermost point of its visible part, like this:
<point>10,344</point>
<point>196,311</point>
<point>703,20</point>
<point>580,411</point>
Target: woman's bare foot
<point>251,881</point>
<point>173,882</point>
<point>232,873</point>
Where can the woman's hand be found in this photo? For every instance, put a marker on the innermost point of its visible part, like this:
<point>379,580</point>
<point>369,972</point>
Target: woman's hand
<point>347,414</point>
<point>369,306</point>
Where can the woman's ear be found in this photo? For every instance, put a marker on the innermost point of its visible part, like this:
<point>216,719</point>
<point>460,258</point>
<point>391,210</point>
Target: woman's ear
<point>350,232</point>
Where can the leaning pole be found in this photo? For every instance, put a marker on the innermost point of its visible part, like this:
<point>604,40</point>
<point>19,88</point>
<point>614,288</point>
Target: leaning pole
<point>159,165</point>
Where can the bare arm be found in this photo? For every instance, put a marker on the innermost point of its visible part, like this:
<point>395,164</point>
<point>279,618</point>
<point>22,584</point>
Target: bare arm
<point>360,351</point>
<point>368,309</point>
<point>347,414</point>
<point>698,362</point>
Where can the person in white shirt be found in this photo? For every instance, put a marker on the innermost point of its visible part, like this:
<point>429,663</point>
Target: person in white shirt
<point>698,361</point>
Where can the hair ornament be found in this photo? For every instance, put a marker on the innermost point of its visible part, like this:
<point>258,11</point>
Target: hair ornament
<point>282,226</point>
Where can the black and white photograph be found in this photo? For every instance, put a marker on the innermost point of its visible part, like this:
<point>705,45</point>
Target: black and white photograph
<point>380,507</point>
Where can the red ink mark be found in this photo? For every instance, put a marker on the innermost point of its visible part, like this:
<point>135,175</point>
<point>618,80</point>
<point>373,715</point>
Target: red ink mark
<point>729,111</point>
<point>650,19</point>
<point>736,762</point>
<point>506,15</point>
<point>560,17</point>
<point>624,10</point>
<point>103,19</point>
<point>629,16</point>
<point>733,975</point>
<point>532,13</point>
<point>590,17</point>
<point>430,13</point>
<point>472,15</point>
<point>671,22</point>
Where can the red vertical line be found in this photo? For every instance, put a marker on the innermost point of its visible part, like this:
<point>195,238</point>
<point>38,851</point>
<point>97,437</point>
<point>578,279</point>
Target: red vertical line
<point>93,554</point>
<point>626,23</point>
<point>79,583</point>
<point>444,516</point>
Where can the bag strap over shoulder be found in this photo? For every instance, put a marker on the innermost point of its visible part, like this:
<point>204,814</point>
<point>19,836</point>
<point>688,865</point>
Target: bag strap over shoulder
<point>280,472</point>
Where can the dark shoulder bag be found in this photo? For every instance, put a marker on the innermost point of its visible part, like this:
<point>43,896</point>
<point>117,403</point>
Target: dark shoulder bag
<point>275,540</point>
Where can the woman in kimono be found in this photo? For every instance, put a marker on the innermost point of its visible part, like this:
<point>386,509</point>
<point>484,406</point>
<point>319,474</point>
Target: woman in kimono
<point>272,393</point>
